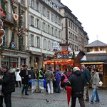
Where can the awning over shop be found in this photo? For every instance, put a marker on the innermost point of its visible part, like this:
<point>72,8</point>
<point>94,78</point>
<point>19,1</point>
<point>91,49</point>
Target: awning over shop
<point>92,63</point>
<point>36,53</point>
<point>59,62</point>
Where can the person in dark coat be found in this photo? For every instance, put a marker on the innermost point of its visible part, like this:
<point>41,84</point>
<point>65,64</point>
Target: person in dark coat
<point>57,81</point>
<point>31,76</point>
<point>8,86</point>
<point>87,77</point>
<point>77,83</point>
<point>25,78</point>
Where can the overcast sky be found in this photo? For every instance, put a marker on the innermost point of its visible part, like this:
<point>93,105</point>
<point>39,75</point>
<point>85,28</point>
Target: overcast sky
<point>93,16</point>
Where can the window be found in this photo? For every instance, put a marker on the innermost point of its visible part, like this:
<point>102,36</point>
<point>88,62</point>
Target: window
<point>38,42</point>
<point>32,3</point>
<point>59,34</point>
<point>48,14</point>
<point>49,45</point>
<point>43,26</point>
<point>37,6</point>
<point>49,29</point>
<point>44,11</point>
<point>32,40</point>
<point>52,17</point>
<point>32,21</point>
<point>69,23</point>
<point>38,26</point>
<point>44,44</point>
<point>56,32</point>
<point>52,30</point>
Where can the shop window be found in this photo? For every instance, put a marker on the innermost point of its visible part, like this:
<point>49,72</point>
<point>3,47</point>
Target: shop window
<point>10,62</point>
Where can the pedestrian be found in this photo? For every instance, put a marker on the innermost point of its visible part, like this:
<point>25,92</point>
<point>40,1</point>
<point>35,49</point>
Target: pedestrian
<point>95,83</point>
<point>57,81</point>
<point>64,80</point>
<point>1,94</point>
<point>49,80</point>
<point>18,78</point>
<point>41,74</point>
<point>69,72</point>
<point>25,79</point>
<point>87,77</point>
<point>31,76</point>
<point>77,83</point>
<point>8,86</point>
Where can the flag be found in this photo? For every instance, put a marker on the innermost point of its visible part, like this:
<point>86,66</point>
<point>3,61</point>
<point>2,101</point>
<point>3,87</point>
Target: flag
<point>68,91</point>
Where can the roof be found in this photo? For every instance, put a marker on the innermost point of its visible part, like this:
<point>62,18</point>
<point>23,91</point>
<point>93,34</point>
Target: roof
<point>96,43</point>
<point>58,3</point>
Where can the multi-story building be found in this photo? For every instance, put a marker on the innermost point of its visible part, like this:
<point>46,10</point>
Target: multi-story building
<point>73,32</point>
<point>35,28</point>
<point>12,51</point>
<point>44,21</point>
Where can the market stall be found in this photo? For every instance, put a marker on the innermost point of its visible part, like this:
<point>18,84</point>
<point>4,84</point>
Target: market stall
<point>61,63</point>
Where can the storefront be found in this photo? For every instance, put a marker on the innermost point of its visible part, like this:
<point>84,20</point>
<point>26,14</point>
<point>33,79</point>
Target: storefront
<point>99,62</point>
<point>14,59</point>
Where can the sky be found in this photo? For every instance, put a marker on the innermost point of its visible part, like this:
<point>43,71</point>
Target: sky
<point>93,16</point>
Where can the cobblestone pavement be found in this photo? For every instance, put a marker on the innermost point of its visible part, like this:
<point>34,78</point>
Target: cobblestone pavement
<point>52,100</point>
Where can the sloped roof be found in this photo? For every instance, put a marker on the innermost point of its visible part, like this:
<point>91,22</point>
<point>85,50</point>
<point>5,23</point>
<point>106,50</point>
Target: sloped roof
<point>96,43</point>
<point>58,3</point>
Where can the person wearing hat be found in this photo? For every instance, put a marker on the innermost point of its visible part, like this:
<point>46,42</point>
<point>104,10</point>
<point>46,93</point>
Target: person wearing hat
<point>77,83</point>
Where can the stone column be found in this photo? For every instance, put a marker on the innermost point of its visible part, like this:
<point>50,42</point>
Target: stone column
<point>32,61</point>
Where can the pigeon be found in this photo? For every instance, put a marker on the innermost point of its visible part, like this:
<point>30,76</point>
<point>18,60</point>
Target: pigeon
<point>47,100</point>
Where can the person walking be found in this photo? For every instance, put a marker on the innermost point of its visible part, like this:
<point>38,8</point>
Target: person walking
<point>1,94</point>
<point>49,80</point>
<point>57,81</point>
<point>8,86</point>
<point>32,78</point>
<point>87,77</point>
<point>77,83</point>
<point>18,78</point>
<point>25,78</point>
<point>95,83</point>
<point>41,74</point>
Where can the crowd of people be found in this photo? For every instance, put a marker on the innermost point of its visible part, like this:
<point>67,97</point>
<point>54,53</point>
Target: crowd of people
<point>78,78</point>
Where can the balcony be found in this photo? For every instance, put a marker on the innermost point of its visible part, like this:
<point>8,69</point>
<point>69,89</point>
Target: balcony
<point>8,18</point>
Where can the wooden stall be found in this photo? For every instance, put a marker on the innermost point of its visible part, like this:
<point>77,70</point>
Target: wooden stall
<point>102,68</point>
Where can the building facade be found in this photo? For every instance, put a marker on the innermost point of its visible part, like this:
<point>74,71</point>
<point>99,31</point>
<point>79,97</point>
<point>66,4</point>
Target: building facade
<point>73,32</point>
<point>12,51</point>
<point>45,28</point>
<point>35,28</point>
